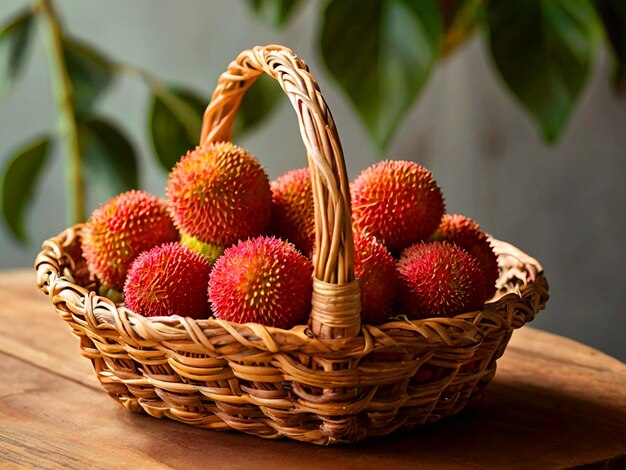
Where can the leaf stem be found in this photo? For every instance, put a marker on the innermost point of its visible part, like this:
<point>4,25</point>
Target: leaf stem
<point>63,90</point>
<point>180,108</point>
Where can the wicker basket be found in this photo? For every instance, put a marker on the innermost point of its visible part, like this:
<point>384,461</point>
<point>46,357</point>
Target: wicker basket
<point>331,381</point>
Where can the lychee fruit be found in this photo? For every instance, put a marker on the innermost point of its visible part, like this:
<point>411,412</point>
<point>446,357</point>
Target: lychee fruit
<point>262,280</point>
<point>375,269</point>
<point>293,211</point>
<point>398,202</point>
<point>118,231</point>
<point>439,279</point>
<point>218,194</point>
<point>169,279</point>
<point>466,233</point>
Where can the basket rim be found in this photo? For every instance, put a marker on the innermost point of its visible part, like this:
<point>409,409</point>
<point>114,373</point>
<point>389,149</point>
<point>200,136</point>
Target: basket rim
<point>521,277</point>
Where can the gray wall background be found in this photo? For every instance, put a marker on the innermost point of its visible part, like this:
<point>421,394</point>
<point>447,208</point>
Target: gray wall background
<point>565,205</point>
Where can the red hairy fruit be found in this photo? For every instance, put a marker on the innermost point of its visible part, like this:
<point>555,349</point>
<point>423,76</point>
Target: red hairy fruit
<point>293,211</point>
<point>375,269</point>
<point>466,233</point>
<point>118,231</point>
<point>262,280</point>
<point>439,279</point>
<point>169,279</point>
<point>398,202</point>
<point>219,194</point>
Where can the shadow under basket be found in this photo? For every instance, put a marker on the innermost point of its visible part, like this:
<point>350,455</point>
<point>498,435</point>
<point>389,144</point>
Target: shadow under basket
<point>331,381</point>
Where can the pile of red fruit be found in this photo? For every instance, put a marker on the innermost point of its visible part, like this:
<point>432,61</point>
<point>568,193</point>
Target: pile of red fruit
<point>232,245</point>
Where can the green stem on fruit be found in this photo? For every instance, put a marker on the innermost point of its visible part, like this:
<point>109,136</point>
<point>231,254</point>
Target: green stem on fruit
<point>63,90</point>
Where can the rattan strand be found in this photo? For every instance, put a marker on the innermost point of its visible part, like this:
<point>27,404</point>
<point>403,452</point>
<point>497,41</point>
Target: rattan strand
<point>333,260</point>
<point>331,381</point>
<point>272,382</point>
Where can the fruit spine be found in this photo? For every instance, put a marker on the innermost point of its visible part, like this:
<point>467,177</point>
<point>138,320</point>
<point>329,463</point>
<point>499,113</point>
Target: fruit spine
<point>263,280</point>
<point>218,194</point>
<point>439,279</point>
<point>293,210</point>
<point>169,279</point>
<point>398,202</point>
<point>121,229</point>
<point>465,233</point>
<point>375,269</point>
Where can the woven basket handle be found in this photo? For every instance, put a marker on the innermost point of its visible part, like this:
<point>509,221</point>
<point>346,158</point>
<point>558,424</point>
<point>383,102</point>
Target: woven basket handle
<point>336,304</point>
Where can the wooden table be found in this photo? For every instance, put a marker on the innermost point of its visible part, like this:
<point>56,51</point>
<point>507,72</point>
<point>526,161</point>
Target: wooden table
<point>554,403</point>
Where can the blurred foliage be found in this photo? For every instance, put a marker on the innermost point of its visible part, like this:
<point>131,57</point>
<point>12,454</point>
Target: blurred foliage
<point>381,54</point>
<point>554,42</point>
<point>383,59</point>
<point>106,157</point>
<point>18,181</point>
<point>613,14</point>
<point>174,129</point>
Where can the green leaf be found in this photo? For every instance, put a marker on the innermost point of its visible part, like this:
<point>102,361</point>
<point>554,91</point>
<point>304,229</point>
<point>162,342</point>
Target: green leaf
<point>18,183</point>
<point>460,19</point>
<point>275,12</point>
<point>91,73</point>
<point>14,38</point>
<point>544,49</point>
<point>613,14</point>
<point>110,159</point>
<point>381,52</point>
<point>258,103</point>
<point>175,119</point>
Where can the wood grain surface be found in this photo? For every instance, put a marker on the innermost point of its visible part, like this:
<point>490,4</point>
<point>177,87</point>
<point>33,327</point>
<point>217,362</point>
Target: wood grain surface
<point>554,403</point>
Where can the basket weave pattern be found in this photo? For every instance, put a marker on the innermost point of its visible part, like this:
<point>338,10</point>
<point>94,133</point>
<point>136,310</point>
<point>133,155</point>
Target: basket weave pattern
<point>332,381</point>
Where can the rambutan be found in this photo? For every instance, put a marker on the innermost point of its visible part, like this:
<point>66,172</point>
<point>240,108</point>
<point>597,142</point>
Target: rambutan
<point>439,279</point>
<point>293,211</point>
<point>375,269</point>
<point>118,231</point>
<point>466,233</point>
<point>262,280</point>
<point>218,194</point>
<point>398,202</point>
<point>169,279</point>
